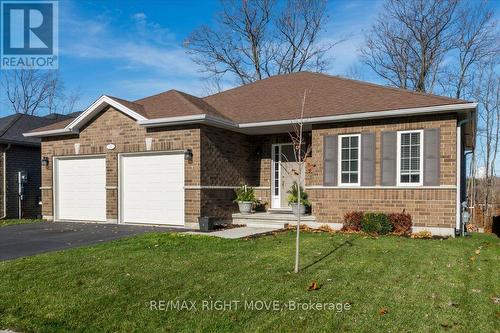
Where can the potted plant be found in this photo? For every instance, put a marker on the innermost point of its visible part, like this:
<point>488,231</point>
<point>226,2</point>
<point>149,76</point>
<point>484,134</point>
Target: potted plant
<point>293,199</point>
<point>245,197</point>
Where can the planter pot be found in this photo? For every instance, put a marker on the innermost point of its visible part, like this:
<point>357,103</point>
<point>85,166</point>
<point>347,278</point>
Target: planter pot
<point>245,207</point>
<point>296,209</point>
<point>206,223</point>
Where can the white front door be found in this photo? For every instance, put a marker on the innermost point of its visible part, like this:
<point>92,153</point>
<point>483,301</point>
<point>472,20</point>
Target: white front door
<point>283,174</point>
<point>80,188</point>
<point>152,188</point>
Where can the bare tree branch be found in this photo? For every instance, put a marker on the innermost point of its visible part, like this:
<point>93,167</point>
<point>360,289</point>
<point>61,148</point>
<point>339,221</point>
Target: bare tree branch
<point>33,91</point>
<point>407,44</point>
<point>255,39</point>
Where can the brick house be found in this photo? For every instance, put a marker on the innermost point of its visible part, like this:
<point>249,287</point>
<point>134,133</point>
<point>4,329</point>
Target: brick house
<point>19,154</point>
<point>172,157</point>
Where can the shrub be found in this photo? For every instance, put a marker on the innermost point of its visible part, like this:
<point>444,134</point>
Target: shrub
<point>293,194</point>
<point>376,223</point>
<point>352,221</point>
<point>401,223</point>
<point>244,193</point>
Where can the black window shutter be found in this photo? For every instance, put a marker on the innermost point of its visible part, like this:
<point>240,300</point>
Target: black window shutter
<point>367,159</point>
<point>432,154</point>
<point>388,161</point>
<point>330,153</point>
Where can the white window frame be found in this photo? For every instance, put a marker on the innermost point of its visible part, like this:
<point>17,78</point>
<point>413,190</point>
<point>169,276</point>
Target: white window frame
<point>421,171</point>
<point>339,160</point>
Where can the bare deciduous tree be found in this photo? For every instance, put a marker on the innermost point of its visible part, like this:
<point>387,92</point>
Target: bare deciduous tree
<point>409,40</point>
<point>475,40</point>
<point>33,91</point>
<point>27,90</point>
<point>487,93</point>
<point>255,39</point>
<point>301,152</point>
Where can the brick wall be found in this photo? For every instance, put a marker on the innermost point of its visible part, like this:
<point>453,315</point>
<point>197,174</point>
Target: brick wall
<point>223,159</point>
<point>230,159</point>
<point>23,158</point>
<point>115,127</point>
<point>429,207</point>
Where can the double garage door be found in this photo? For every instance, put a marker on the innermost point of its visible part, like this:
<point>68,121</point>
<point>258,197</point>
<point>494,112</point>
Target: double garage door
<point>151,188</point>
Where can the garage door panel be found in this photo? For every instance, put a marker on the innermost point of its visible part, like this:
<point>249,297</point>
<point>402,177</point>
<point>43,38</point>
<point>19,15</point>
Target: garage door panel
<point>152,189</point>
<point>81,189</point>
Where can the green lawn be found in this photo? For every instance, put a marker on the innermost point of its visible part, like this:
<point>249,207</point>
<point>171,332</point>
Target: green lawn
<point>392,285</point>
<point>4,223</point>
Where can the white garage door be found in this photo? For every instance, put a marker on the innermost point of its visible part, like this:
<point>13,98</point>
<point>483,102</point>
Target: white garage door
<point>80,188</point>
<point>152,188</point>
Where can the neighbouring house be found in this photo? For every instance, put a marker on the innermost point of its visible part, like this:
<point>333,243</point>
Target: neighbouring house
<point>20,177</point>
<point>172,157</point>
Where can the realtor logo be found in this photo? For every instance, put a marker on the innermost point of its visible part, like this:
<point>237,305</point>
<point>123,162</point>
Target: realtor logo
<point>29,34</point>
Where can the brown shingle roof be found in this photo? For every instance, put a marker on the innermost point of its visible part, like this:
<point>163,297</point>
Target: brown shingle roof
<point>131,105</point>
<point>54,126</point>
<point>175,103</point>
<point>280,98</point>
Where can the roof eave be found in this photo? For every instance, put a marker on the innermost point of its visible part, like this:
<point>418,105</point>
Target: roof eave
<point>54,132</point>
<point>367,115</point>
<point>186,120</point>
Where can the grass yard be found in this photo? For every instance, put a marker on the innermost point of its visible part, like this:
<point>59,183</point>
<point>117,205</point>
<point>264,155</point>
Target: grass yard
<point>4,223</point>
<point>392,285</point>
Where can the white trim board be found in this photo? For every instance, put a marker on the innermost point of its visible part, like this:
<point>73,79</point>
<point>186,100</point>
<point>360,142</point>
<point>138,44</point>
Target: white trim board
<point>91,111</point>
<point>73,127</point>
<point>421,159</point>
<point>378,187</point>
<point>339,160</point>
<point>98,106</point>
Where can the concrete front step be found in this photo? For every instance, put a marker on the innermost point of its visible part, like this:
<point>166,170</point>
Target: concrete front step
<point>269,220</point>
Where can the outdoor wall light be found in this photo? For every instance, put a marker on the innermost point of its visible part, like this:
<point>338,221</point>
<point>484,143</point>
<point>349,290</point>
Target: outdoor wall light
<point>258,152</point>
<point>188,155</point>
<point>45,161</point>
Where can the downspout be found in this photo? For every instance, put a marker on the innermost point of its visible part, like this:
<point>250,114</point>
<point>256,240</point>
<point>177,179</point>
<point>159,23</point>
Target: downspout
<point>4,182</point>
<point>459,227</point>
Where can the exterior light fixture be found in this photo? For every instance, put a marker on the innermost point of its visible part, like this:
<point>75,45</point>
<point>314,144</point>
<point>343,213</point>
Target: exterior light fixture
<point>45,161</point>
<point>188,155</point>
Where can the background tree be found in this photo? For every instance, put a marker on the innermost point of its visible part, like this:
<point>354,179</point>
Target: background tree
<point>475,41</point>
<point>255,39</point>
<point>36,91</point>
<point>448,47</point>
<point>486,91</point>
<point>408,42</point>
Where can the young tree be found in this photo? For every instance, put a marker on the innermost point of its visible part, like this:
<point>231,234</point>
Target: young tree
<point>255,39</point>
<point>301,151</point>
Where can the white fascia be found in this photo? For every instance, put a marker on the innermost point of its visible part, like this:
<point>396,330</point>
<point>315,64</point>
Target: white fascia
<point>92,110</point>
<point>192,119</point>
<point>60,131</point>
<point>367,115</point>
<point>98,106</point>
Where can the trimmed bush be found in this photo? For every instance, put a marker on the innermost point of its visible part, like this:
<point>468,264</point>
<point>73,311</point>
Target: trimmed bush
<point>352,221</point>
<point>401,223</point>
<point>376,223</point>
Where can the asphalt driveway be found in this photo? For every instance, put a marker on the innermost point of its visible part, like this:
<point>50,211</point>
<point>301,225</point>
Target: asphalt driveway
<point>24,240</point>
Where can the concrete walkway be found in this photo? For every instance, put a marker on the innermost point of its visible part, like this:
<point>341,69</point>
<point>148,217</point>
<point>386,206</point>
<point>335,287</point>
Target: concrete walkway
<point>235,233</point>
